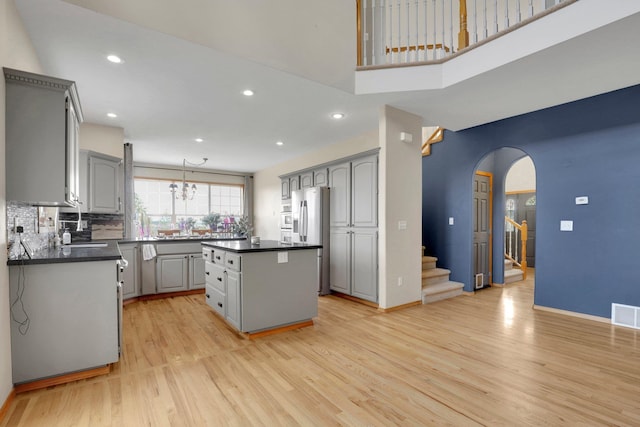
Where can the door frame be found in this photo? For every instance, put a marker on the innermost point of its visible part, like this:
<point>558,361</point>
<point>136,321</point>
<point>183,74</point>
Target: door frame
<point>490,176</point>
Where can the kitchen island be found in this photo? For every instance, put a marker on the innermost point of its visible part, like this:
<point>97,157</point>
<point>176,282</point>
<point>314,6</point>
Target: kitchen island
<point>262,288</point>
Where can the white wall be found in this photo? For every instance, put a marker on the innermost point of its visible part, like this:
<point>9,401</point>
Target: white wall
<point>400,187</point>
<point>521,176</point>
<point>102,139</point>
<point>267,199</point>
<point>16,51</point>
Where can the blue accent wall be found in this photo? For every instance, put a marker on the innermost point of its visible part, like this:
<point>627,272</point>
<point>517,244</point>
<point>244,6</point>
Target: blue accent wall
<point>588,148</point>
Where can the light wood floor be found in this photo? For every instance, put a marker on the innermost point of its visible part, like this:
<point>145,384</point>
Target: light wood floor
<point>486,359</point>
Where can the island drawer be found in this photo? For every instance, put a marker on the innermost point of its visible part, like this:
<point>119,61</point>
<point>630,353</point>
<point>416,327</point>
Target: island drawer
<point>215,299</point>
<point>232,261</point>
<point>207,254</point>
<point>217,256</point>
<point>215,276</point>
<point>177,248</point>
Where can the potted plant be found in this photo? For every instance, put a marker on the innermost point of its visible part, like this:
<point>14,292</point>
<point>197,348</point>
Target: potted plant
<point>242,226</point>
<point>212,220</point>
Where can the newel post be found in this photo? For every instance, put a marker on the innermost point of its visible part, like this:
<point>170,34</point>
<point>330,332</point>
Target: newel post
<point>463,35</point>
<point>523,237</point>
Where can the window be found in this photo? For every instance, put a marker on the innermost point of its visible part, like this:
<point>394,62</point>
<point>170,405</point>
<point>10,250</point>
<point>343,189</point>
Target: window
<point>157,208</point>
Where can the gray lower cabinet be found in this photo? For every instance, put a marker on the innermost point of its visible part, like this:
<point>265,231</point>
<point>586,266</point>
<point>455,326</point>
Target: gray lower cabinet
<point>197,276</point>
<point>131,273</point>
<point>172,273</point>
<point>354,262</point>
<point>223,286</point>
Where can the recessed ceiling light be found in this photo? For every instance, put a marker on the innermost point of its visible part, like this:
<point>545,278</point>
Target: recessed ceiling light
<point>112,115</point>
<point>247,92</point>
<point>199,139</point>
<point>115,59</point>
<point>337,116</point>
<point>279,143</point>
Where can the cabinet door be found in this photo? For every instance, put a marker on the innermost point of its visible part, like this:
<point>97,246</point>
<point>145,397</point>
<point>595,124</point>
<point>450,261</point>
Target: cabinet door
<point>104,185</point>
<point>285,191</point>
<point>130,274</point>
<point>364,264</point>
<point>364,192</point>
<point>73,153</point>
<point>172,273</point>
<point>321,177</point>
<point>339,181</point>
<point>234,303</point>
<point>197,277</point>
<point>294,183</point>
<point>340,260</point>
<point>306,180</point>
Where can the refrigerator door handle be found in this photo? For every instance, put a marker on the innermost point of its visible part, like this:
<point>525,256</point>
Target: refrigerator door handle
<point>305,221</point>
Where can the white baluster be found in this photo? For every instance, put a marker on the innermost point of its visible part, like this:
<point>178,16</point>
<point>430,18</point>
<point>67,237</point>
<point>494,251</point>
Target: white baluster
<point>475,21</point>
<point>530,8</point>
<point>399,30</point>
<point>417,56</point>
<point>518,18</point>
<point>383,26</point>
<point>485,33</point>
<point>434,30</point>
<point>426,29</point>
<point>408,32</point>
<point>391,32</point>
<point>517,241</point>
<point>506,15</point>
<point>450,26</point>
<point>367,32</point>
<point>441,55</point>
<point>495,17</point>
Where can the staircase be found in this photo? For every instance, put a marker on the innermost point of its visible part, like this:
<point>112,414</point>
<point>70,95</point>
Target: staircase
<point>511,274</point>
<point>436,285</point>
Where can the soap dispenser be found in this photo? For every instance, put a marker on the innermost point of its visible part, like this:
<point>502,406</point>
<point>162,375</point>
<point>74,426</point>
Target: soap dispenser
<point>66,237</point>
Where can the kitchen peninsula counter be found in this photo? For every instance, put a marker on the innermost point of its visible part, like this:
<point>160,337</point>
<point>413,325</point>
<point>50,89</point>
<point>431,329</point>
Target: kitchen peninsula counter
<point>264,288</point>
<point>76,252</point>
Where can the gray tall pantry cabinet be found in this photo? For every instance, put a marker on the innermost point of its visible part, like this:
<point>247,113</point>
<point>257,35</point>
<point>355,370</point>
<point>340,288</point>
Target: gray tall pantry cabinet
<point>42,119</point>
<point>354,227</point>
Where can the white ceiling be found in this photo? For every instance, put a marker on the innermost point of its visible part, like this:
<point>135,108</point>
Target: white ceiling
<point>186,64</point>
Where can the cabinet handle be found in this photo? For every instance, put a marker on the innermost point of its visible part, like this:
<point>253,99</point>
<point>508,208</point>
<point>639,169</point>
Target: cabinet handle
<point>219,279</point>
<point>231,261</point>
<point>217,257</point>
<point>220,304</point>
<point>208,296</point>
<point>206,272</point>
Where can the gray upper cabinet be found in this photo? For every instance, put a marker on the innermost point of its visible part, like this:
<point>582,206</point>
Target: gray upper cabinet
<point>285,190</point>
<point>364,192</point>
<point>42,119</point>
<point>321,177</point>
<point>294,183</point>
<point>306,180</point>
<point>104,182</point>
<point>339,181</point>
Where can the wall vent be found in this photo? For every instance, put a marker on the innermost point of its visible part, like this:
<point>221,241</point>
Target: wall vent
<point>625,315</point>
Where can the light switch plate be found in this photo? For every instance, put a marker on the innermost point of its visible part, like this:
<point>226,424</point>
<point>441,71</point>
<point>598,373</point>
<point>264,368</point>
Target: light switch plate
<point>582,200</point>
<point>283,257</point>
<point>450,220</point>
<point>402,225</point>
<point>566,225</point>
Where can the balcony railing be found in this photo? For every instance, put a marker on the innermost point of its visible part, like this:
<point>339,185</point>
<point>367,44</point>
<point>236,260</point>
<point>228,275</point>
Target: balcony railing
<point>394,32</point>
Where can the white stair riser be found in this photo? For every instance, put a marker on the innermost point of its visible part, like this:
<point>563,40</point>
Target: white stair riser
<point>427,299</point>
<point>512,277</point>
<point>426,281</point>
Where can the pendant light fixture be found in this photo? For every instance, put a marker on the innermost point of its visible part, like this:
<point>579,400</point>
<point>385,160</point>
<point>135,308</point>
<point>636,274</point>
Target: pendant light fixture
<point>188,192</point>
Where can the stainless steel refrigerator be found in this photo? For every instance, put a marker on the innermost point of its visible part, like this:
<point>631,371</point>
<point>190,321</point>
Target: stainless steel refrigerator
<point>310,215</point>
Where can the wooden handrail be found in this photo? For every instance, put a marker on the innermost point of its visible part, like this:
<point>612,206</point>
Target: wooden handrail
<point>524,230</point>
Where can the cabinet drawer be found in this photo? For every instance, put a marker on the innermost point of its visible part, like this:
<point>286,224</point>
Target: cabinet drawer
<point>217,256</point>
<point>232,261</point>
<point>207,254</point>
<point>215,276</point>
<point>215,300</point>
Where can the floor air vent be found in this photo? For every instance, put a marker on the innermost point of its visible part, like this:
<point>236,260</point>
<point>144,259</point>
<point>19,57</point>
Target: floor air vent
<point>625,315</point>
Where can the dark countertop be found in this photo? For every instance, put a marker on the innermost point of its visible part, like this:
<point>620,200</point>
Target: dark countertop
<point>179,239</point>
<point>68,253</point>
<point>241,246</point>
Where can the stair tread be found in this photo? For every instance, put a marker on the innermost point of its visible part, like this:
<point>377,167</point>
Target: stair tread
<point>441,287</point>
<point>435,272</point>
<point>426,258</point>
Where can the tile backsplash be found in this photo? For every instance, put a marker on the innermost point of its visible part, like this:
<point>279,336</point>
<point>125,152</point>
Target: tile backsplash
<point>99,226</point>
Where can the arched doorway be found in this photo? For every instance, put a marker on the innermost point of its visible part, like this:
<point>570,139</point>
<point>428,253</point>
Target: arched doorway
<point>498,179</point>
